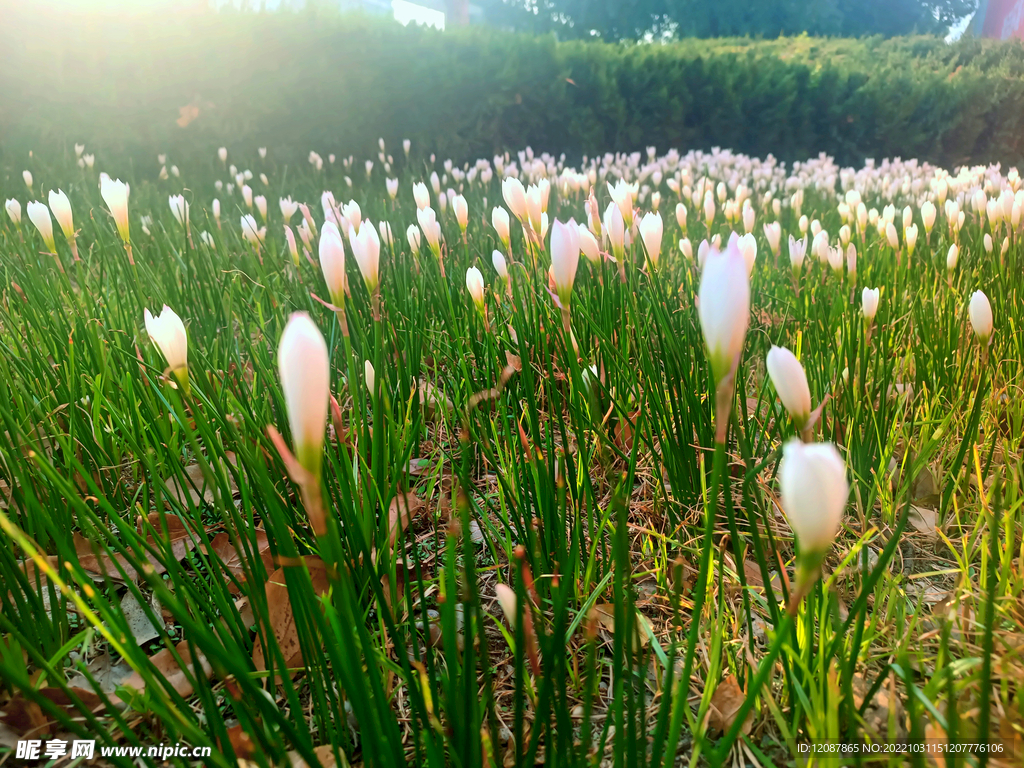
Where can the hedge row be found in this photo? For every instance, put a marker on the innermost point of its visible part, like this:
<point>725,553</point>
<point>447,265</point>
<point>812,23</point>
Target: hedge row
<point>300,81</point>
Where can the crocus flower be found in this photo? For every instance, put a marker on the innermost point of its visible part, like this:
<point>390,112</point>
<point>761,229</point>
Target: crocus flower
<point>179,207</point>
<point>589,245</point>
<point>952,257</point>
<point>514,193</point>
<point>869,303</point>
<point>724,308</point>
<point>293,248</point>
<point>366,250</point>
<point>565,258</point>
<point>392,187</point>
<point>305,371</point>
<point>980,311</point>
<point>498,260</point>
<point>39,215</point>
<point>261,206</point>
<point>500,222</point>
<point>773,234</point>
<point>651,230</point>
<point>812,479</point>
<point>461,211</point>
<point>412,234</point>
<point>681,216</point>
<point>790,382</point>
<point>14,211</point>
<point>288,208</point>
<point>386,237</point>
<point>115,195</point>
<point>251,231</point>
<point>797,251</point>
<point>475,286</point>
<point>332,262</point>
<point>168,333</point>
<point>27,176</point>
<point>61,207</point>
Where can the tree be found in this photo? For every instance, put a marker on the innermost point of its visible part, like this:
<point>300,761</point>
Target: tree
<point>639,19</point>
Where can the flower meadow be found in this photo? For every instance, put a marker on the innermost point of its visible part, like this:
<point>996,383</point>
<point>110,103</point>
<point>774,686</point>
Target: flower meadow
<point>643,460</point>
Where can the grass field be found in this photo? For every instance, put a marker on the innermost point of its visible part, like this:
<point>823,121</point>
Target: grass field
<point>479,504</point>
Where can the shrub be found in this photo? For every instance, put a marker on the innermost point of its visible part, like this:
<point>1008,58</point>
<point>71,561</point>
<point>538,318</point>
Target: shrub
<point>335,83</point>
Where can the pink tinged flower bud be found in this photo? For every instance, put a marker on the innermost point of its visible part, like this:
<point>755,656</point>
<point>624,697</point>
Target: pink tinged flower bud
<point>461,210</point>
<point>247,196</point>
<point>802,225</point>
<point>366,250</point>
<point>980,312</point>
<point>890,235</point>
<point>773,234</point>
<point>709,209</point>
<point>681,216</point>
<point>435,183</point>
<point>251,230</point>
<point>13,208</point>
<point>39,215</point>
<point>952,256</point>
<point>651,231</point>
<point>222,153</point>
<point>702,253</point>
<point>353,214</point>
<point>61,207</point>
<point>304,367</point>
<point>835,259</point>
<point>844,234</point>
<point>514,194</point>
<point>748,247</point>
<point>293,248</point>
<point>748,218</point>
<point>421,195</point>
<point>790,383</point>
<point>507,600</point>
<point>851,260</point>
<point>498,260</point>
<point>475,286</point>
<point>412,234</point>
<point>565,257</point>
<point>686,248</point>
<point>115,195</point>
<point>168,333</point>
<point>724,308</point>
<point>261,206</point>
<point>332,263</point>
<point>797,252</point>
<point>216,210</point>
<point>179,207</point>
<point>869,303</point>
<point>910,237</point>
<point>500,222</point>
<point>615,227</point>
<point>386,236</point>
<point>812,479</point>
<point>928,215</point>
<point>589,245</point>
<point>534,208</point>
<point>987,241</point>
<point>27,176</point>
<point>406,146</point>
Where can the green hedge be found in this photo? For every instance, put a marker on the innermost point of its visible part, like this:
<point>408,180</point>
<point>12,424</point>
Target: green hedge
<point>301,81</point>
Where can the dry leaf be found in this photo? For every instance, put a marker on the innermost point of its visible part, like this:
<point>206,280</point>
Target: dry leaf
<point>234,561</point>
<point>400,513</point>
<point>324,755</point>
<point>139,624</point>
<point>195,486</point>
<point>281,617</point>
<point>165,665</point>
<point>924,521</point>
<point>180,538</point>
<point>27,718</point>
<point>107,673</point>
<point>605,615</point>
<point>725,705</point>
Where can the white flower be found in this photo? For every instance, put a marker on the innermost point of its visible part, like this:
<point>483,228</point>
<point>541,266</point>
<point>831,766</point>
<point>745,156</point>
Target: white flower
<point>980,311</point>
<point>304,366</point>
<point>724,307</point>
<point>790,382</point>
<point>814,488</point>
<point>168,332</point>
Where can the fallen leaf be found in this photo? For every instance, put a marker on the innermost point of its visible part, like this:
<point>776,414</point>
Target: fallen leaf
<point>178,536</point>
<point>280,617</point>
<point>195,487</point>
<point>241,742</point>
<point>725,706</point>
<point>167,667</point>
<point>400,514</point>
<point>139,624</point>
<point>324,755</point>
<point>925,521</point>
<point>605,615</point>
<point>234,560</point>
<point>107,673</point>
<point>27,718</point>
